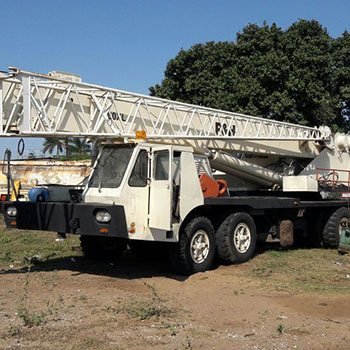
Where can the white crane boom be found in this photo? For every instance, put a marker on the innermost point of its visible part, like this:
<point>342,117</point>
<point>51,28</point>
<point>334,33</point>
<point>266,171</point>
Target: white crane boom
<point>58,104</point>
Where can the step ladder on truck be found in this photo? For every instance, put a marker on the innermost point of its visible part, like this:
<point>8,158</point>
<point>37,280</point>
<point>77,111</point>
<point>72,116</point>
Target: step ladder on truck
<point>193,179</point>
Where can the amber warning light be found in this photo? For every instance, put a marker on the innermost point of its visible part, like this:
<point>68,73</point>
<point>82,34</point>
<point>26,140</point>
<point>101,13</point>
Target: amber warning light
<point>141,135</point>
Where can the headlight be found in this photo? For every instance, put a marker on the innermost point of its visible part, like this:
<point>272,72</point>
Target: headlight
<point>11,211</point>
<point>103,216</point>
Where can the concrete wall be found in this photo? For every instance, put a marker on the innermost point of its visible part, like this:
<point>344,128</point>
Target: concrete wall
<point>48,171</point>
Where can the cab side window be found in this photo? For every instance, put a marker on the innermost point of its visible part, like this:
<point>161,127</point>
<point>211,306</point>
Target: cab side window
<point>161,165</point>
<point>138,177</point>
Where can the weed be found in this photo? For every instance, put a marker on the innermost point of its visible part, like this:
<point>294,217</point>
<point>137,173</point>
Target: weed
<point>188,344</point>
<point>145,312</point>
<point>52,308</point>
<point>280,329</point>
<point>172,329</point>
<point>83,297</point>
<point>31,319</point>
<point>14,331</point>
<point>155,296</point>
<point>147,309</point>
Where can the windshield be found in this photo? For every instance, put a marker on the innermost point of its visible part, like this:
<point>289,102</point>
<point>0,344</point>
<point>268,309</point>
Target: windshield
<point>111,167</point>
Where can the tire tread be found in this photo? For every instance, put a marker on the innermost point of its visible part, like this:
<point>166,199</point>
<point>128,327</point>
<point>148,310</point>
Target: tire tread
<point>331,230</point>
<point>226,250</point>
<point>179,257</point>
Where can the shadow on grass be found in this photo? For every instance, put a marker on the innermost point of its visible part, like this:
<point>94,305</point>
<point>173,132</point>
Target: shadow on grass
<point>127,267</point>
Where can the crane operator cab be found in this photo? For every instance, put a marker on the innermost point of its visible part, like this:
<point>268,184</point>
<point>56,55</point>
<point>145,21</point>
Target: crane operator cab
<point>156,184</point>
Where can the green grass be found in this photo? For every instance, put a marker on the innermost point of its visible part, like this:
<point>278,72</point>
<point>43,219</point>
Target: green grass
<point>302,270</point>
<point>25,248</point>
<point>296,271</point>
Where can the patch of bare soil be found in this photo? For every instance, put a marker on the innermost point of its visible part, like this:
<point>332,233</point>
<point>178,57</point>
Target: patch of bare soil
<point>72,303</point>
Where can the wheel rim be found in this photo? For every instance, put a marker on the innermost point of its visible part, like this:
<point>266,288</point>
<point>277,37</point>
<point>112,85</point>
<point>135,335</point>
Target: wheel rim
<point>199,246</point>
<point>242,237</point>
<point>343,223</point>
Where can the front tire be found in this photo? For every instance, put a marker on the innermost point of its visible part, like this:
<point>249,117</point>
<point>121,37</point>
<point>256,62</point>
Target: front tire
<point>236,238</point>
<point>331,232</point>
<point>196,247</point>
<point>96,247</point>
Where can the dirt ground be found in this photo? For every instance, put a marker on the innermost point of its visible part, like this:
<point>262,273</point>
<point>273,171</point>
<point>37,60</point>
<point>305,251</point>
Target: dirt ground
<point>72,303</point>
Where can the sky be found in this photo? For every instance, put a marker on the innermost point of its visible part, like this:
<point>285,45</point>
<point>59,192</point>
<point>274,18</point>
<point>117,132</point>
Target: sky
<point>126,44</point>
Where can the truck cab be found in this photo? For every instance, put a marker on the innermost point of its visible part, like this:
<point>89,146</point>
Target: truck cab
<point>157,185</point>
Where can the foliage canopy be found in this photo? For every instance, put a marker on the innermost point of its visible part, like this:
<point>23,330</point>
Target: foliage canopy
<point>73,146</point>
<point>300,75</point>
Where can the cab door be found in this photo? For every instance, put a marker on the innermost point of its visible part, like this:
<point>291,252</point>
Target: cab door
<point>160,212</point>
<point>137,191</point>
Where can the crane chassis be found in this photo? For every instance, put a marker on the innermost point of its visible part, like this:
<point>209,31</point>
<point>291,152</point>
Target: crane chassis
<point>192,179</point>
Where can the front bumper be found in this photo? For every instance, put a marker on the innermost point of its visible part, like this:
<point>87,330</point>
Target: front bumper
<point>76,218</point>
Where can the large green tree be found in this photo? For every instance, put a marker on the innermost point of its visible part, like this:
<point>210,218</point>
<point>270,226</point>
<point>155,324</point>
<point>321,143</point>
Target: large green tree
<point>299,75</point>
<point>341,75</point>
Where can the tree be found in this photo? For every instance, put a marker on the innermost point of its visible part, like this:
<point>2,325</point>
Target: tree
<point>341,75</point>
<point>196,75</point>
<point>51,144</point>
<point>79,146</point>
<point>299,75</point>
<point>308,48</point>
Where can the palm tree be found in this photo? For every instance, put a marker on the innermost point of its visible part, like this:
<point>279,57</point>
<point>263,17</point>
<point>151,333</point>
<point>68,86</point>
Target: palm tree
<point>79,146</point>
<point>52,143</point>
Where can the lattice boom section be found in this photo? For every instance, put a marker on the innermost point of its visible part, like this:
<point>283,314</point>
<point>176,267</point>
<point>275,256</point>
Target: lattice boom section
<point>34,104</point>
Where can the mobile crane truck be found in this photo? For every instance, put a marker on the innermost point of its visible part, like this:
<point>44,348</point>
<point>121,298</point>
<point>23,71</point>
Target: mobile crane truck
<point>196,179</point>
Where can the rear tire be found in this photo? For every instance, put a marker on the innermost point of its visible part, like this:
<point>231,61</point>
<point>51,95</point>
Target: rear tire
<point>331,231</point>
<point>236,238</point>
<point>196,247</point>
<point>96,247</point>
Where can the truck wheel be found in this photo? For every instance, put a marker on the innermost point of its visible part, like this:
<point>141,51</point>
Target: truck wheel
<point>331,232</point>
<point>196,247</point>
<point>95,247</point>
<point>236,238</point>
